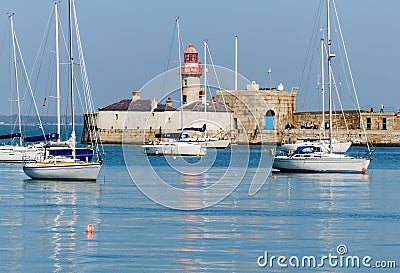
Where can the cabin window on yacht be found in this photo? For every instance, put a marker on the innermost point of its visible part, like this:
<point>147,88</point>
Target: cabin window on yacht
<point>369,123</point>
<point>384,123</point>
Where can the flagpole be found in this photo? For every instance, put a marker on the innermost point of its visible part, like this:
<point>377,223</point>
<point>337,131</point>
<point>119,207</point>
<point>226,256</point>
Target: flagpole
<point>270,78</point>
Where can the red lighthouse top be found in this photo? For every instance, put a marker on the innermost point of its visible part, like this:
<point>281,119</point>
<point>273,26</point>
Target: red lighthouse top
<point>191,61</point>
<point>191,55</point>
<point>191,49</point>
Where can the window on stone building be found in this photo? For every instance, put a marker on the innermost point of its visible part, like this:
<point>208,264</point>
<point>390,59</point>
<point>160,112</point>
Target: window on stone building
<point>369,122</point>
<point>235,123</point>
<point>384,123</point>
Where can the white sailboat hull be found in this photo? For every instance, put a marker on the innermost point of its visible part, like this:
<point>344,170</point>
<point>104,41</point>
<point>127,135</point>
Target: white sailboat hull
<point>335,164</point>
<point>79,171</point>
<point>219,143</point>
<point>20,154</point>
<point>210,143</point>
<point>175,148</point>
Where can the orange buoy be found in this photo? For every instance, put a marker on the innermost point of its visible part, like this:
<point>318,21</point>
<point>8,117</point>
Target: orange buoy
<point>90,229</point>
<point>364,170</point>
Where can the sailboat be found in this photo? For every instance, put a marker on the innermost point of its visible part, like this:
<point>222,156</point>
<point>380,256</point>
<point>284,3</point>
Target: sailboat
<point>66,167</point>
<point>307,158</point>
<point>19,152</point>
<point>203,138</point>
<point>176,147</point>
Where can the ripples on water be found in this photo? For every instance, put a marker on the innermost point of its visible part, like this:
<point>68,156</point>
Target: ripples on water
<point>42,227</point>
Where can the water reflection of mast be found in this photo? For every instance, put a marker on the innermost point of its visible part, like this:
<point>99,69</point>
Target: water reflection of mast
<point>70,202</point>
<point>194,223</point>
<point>64,223</point>
<point>338,194</point>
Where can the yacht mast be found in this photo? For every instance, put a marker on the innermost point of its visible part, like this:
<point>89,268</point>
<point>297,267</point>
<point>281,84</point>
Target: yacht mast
<point>57,74</point>
<point>323,86</point>
<point>330,56</point>
<point>236,62</point>
<point>73,137</point>
<point>16,78</point>
<point>180,70</point>
<point>205,81</point>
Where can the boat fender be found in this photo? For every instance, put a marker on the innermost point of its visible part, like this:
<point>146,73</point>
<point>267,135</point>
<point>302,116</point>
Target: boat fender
<point>271,152</point>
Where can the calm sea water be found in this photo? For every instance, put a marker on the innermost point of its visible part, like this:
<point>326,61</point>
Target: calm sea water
<point>42,227</point>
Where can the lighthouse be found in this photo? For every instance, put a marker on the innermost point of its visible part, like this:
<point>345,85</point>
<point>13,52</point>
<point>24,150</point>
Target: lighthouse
<point>191,73</point>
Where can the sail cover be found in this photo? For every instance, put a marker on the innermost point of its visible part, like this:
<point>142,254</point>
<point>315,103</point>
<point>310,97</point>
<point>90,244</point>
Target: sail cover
<point>197,129</point>
<point>52,136</point>
<point>7,136</point>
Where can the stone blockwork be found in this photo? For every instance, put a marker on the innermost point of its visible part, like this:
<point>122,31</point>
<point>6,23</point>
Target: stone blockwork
<point>339,119</point>
<point>259,115</point>
<point>381,129</point>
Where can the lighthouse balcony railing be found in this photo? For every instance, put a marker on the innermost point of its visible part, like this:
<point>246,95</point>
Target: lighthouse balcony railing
<point>198,69</point>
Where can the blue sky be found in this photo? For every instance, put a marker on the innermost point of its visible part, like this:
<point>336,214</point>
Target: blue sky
<point>127,43</point>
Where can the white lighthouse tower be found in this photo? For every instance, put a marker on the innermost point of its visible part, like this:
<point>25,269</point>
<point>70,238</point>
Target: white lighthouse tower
<point>191,73</point>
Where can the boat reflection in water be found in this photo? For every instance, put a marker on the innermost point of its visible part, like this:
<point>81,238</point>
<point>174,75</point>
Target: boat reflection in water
<point>330,202</point>
<point>67,208</point>
<point>200,233</point>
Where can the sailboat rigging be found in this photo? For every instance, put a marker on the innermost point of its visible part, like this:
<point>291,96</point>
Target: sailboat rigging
<point>322,142</point>
<point>20,152</point>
